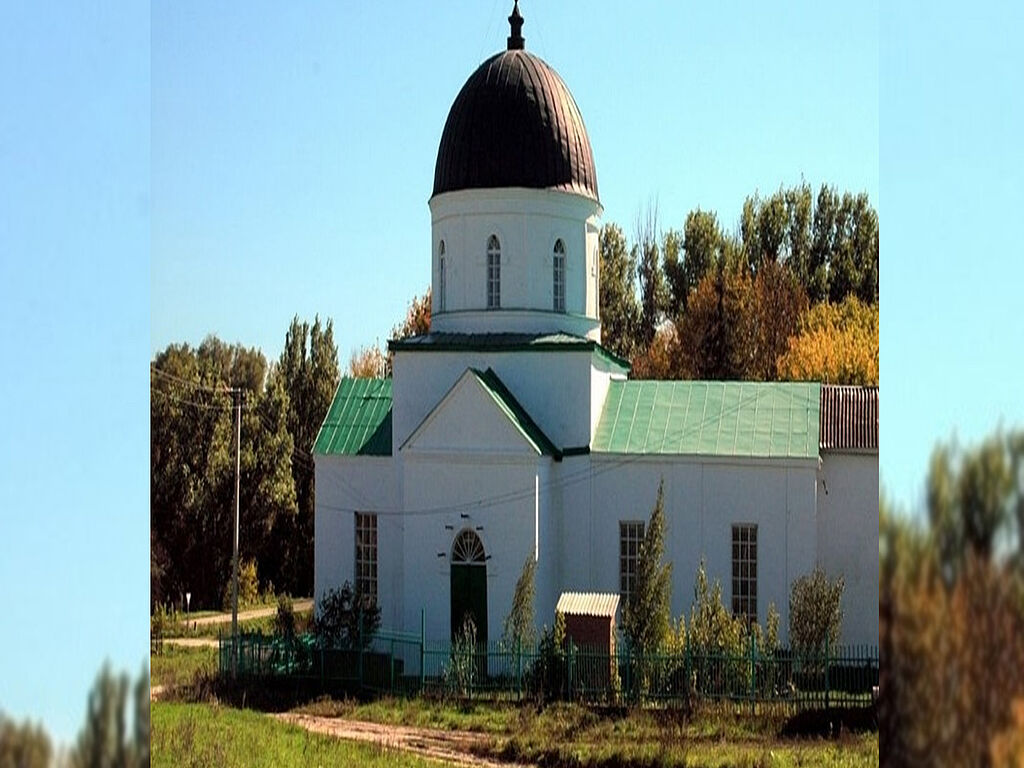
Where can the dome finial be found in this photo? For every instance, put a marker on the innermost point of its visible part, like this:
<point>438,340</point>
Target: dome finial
<point>516,41</point>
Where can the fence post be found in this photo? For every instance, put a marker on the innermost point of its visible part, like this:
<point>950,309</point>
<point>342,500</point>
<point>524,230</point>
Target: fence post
<point>826,673</point>
<point>519,668</point>
<point>753,671</point>
<point>423,648</point>
<point>359,619</point>
<point>392,666</point>
<point>572,648</point>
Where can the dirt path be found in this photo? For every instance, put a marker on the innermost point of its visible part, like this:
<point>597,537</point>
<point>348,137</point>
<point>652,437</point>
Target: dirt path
<point>255,613</point>
<point>452,747</point>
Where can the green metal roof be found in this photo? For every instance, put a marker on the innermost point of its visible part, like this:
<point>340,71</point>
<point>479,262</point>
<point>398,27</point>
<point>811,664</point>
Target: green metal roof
<point>505,342</point>
<point>710,418</point>
<point>359,420</point>
<point>508,404</point>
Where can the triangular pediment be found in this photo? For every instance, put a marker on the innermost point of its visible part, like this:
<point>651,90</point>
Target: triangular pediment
<point>479,415</point>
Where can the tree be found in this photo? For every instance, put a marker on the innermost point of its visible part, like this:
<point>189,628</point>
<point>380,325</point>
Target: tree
<point>717,335</point>
<point>107,740</point>
<point>192,460</point>
<point>368,363</point>
<point>650,276</point>
<point>519,625</point>
<point>416,323</point>
<point>346,618</point>
<point>308,372</point>
<point>834,344</point>
<point>815,611</point>
<point>702,245</point>
<point>619,310</point>
<point>23,745</point>
<point>646,621</point>
<point>779,301</point>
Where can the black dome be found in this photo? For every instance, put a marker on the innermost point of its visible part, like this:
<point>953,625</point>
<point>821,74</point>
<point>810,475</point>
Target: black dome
<point>515,124</point>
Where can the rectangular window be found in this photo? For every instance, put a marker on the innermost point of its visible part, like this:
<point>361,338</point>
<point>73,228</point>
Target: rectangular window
<point>366,556</point>
<point>744,572</point>
<point>631,536</point>
<point>493,280</point>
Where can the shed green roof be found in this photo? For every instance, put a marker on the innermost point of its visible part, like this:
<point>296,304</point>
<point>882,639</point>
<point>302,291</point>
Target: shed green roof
<point>359,420</point>
<point>710,418</point>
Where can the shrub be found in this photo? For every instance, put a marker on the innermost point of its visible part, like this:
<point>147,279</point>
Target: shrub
<point>815,612</point>
<point>549,669</point>
<point>339,613</point>
<point>284,622</point>
<point>461,671</point>
<point>248,586</point>
<point>518,629</point>
<point>646,620</point>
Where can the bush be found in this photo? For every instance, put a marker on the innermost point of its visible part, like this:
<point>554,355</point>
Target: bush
<point>461,672</point>
<point>549,669</point>
<point>338,618</point>
<point>248,586</point>
<point>284,622</point>
<point>815,612</point>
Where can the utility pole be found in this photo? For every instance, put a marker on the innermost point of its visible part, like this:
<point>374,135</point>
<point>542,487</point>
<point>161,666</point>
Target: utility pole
<point>237,396</point>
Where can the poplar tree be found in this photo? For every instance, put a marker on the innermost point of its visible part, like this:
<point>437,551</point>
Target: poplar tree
<point>646,620</point>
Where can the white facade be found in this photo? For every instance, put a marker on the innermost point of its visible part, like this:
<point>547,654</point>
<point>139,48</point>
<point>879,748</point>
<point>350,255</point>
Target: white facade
<point>527,224</point>
<point>493,416</point>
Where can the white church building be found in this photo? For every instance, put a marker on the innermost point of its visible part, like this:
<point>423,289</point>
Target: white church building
<point>509,431</point>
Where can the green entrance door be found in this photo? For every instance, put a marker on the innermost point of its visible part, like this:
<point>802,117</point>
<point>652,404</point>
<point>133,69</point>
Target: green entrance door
<point>469,585</point>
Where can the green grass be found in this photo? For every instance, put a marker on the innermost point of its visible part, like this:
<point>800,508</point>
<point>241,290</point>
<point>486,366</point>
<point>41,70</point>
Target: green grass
<point>178,666</point>
<point>574,735</point>
<point>194,735</point>
<point>264,624</point>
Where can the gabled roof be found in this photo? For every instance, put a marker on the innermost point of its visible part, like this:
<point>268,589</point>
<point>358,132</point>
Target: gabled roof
<point>710,418</point>
<point>358,422</point>
<point>515,412</point>
<point>849,418</point>
<point>494,391</point>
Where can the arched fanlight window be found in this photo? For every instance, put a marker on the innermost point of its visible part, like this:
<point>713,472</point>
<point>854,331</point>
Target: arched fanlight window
<point>493,272</point>
<point>468,549</point>
<point>440,286</point>
<point>558,291</point>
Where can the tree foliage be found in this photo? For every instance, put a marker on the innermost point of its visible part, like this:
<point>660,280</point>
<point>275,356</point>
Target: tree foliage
<point>192,466</point>
<point>116,730</point>
<point>815,611</point>
<point>619,308</point>
<point>519,628</point>
<point>344,618</point>
<point>308,372</point>
<point>647,618</point>
<point>24,745</point>
<point>835,344</point>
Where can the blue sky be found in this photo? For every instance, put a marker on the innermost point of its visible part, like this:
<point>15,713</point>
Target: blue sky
<point>195,167</point>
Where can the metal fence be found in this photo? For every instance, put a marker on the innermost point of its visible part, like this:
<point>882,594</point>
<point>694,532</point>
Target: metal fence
<point>408,664</point>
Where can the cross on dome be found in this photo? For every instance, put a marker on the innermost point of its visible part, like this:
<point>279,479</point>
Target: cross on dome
<point>516,41</point>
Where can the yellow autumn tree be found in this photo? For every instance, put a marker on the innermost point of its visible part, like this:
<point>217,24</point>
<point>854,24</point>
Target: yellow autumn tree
<point>836,344</point>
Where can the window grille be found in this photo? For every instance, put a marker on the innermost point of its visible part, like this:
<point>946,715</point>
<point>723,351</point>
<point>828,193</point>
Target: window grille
<point>559,276</point>
<point>440,286</point>
<point>493,273</point>
<point>366,556</point>
<point>631,536</point>
<point>744,572</point>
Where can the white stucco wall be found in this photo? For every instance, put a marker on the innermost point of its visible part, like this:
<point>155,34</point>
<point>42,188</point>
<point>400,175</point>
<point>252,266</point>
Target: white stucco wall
<point>848,537</point>
<point>703,498</point>
<point>344,485</point>
<point>527,222</point>
<point>441,492</point>
<point>554,388</point>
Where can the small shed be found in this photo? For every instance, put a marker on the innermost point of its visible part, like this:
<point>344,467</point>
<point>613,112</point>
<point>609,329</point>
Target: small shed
<point>590,625</point>
<point>589,619</point>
